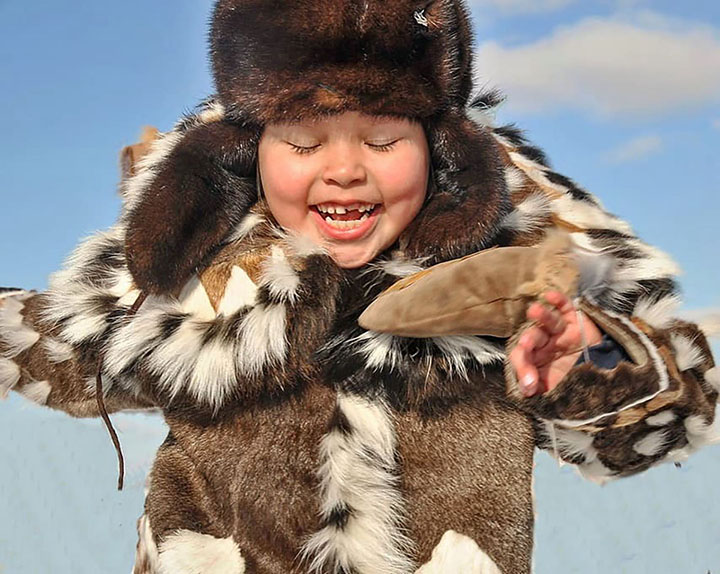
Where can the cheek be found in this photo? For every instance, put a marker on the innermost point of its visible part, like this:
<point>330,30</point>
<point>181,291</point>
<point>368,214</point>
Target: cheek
<point>285,184</point>
<point>405,182</point>
<point>283,180</point>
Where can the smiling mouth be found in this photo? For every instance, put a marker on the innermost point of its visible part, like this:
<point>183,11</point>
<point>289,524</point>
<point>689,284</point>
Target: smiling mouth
<point>345,217</point>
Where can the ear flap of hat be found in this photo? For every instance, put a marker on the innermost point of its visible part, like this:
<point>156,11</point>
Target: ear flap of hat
<point>193,188</point>
<point>470,198</point>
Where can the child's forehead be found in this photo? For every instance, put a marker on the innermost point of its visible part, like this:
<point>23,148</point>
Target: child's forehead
<point>348,118</point>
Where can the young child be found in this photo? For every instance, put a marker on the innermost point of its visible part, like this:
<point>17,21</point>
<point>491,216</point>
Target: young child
<point>342,153</point>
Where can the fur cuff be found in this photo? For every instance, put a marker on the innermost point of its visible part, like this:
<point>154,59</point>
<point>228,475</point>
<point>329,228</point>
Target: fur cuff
<point>591,395</point>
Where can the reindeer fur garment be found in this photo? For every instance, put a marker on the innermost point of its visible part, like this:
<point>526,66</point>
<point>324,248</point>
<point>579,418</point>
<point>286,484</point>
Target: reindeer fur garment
<point>299,441</point>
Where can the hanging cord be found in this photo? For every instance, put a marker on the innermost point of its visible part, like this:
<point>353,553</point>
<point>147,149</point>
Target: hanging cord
<point>99,396</point>
<point>581,323</point>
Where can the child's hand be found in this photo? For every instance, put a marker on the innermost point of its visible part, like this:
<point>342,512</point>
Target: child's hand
<point>548,350</point>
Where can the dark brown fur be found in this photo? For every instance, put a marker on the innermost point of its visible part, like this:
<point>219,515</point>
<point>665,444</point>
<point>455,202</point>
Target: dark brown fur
<point>205,187</point>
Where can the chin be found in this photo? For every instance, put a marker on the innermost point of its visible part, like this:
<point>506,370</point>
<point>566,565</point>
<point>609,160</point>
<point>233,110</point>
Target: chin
<point>353,259</point>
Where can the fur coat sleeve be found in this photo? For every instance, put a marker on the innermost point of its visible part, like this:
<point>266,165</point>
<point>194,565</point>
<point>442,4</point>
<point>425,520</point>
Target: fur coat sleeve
<point>660,405</point>
<point>232,332</point>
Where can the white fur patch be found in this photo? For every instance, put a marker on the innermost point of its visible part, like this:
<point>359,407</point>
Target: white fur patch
<point>596,472</point>
<point>401,267</point>
<point>9,376</point>
<point>74,301</point>
<point>134,187</point>
<point>185,360</point>
<point>458,349</point>
<point>379,350</point>
<point>213,112</point>
<point>514,179</point>
<point>146,552</point>
<point>658,313</point>
<point>213,376</point>
<point>457,553</point>
<point>137,334</point>
<point>187,552</point>
<point>653,265</point>
<point>279,276</point>
<point>16,335</point>
<point>245,227</point>
<point>568,443</point>
<point>712,377</point>
<point>194,300</point>
<point>661,419</point>
<point>530,215</point>
<point>535,172</point>
<point>240,292</point>
<point>37,392</point>
<point>651,444</point>
<point>587,216</point>
<point>262,338</point>
<point>687,354</point>
<point>700,432</point>
<point>359,473</point>
<point>56,351</point>
<point>300,245</point>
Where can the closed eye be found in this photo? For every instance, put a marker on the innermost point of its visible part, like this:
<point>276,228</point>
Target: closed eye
<point>303,149</point>
<point>387,146</point>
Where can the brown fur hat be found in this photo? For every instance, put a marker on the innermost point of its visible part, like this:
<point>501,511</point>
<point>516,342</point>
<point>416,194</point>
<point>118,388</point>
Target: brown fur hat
<point>276,61</point>
<point>284,61</point>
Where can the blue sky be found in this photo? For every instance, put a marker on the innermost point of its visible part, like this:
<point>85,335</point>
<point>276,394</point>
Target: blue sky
<point>623,95</point>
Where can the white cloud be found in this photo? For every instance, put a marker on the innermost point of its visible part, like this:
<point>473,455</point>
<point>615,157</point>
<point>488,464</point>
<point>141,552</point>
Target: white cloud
<point>649,65</point>
<point>635,149</point>
<point>519,6</point>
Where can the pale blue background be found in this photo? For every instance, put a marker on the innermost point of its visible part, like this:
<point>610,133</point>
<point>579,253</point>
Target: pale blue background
<point>79,80</point>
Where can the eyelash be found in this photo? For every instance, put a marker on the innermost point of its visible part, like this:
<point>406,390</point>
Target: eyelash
<point>383,147</point>
<point>377,147</point>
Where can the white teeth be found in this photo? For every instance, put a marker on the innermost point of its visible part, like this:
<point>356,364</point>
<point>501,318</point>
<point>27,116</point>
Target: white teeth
<point>330,208</point>
<point>344,225</point>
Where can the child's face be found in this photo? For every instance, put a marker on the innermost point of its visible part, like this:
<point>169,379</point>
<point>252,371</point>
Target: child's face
<point>350,182</point>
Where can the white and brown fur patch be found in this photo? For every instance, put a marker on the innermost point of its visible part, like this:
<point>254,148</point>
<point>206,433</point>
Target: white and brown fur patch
<point>362,507</point>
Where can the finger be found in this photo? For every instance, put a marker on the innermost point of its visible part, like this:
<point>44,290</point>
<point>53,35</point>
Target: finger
<point>534,338</point>
<point>527,373</point>
<point>547,317</point>
<point>558,300</point>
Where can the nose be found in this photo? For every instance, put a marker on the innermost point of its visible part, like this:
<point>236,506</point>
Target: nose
<point>345,166</point>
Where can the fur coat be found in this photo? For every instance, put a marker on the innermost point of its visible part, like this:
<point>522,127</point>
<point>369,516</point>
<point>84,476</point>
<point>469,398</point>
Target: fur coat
<point>300,442</point>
